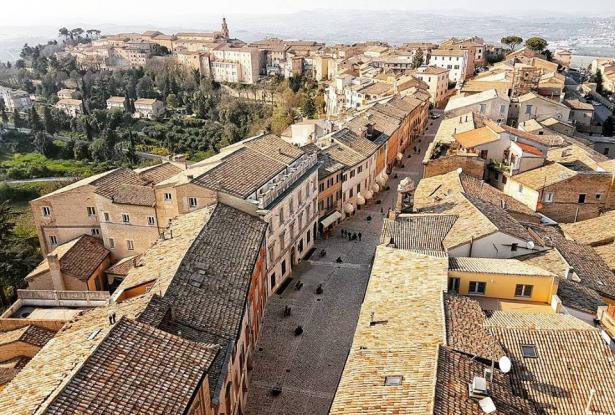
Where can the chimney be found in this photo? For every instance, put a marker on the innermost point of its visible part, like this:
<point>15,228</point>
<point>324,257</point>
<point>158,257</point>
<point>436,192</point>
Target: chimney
<point>460,120</point>
<point>56,274</point>
<point>369,128</point>
<point>190,176</point>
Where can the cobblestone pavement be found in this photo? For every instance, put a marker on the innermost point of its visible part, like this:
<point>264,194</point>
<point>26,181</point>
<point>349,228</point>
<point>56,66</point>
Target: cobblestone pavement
<point>308,367</point>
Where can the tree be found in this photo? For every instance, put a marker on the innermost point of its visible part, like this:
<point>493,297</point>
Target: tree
<point>81,151</point>
<point>43,144</point>
<point>309,108</point>
<point>537,44</point>
<point>608,128</point>
<point>17,121</point>
<point>64,33</point>
<point>511,41</point>
<point>50,125</point>
<point>295,82</point>
<point>599,82</point>
<point>34,120</point>
<point>145,88</point>
<point>17,257</point>
<point>417,59</point>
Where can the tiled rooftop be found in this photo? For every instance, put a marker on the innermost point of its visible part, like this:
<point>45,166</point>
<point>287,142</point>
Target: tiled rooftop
<point>465,331</point>
<point>136,370</point>
<point>398,333</point>
<point>422,232</point>
<point>79,258</point>
<point>496,266</point>
<point>456,371</point>
<point>569,363</point>
<point>595,231</point>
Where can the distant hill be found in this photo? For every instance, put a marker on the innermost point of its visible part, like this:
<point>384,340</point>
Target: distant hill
<point>585,35</point>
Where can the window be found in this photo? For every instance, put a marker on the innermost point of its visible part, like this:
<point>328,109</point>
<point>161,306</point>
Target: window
<point>151,221</point>
<point>484,154</point>
<point>53,240</point>
<point>46,211</point>
<point>453,284</point>
<point>272,280</point>
<point>514,246</point>
<point>321,186</point>
<point>283,267</point>
<point>282,240</point>
<point>483,108</point>
<point>130,244</point>
<point>168,197</point>
<point>95,232</point>
<point>528,109</point>
<point>125,218</point>
<point>91,211</point>
<point>605,151</point>
<point>192,202</point>
<point>548,197</point>
<point>528,350</point>
<point>477,287</point>
<point>111,243</point>
<point>599,196</point>
<point>106,217</point>
<point>582,197</point>
<point>351,193</point>
<point>281,215</point>
<point>291,204</point>
<point>502,109</point>
<point>395,380</point>
<point>523,290</point>
<point>520,188</point>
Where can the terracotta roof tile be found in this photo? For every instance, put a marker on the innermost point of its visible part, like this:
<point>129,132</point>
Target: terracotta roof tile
<point>423,232</point>
<point>569,363</point>
<point>456,371</point>
<point>399,330</point>
<point>136,369</point>
<point>464,328</point>
<point>159,172</point>
<point>595,231</point>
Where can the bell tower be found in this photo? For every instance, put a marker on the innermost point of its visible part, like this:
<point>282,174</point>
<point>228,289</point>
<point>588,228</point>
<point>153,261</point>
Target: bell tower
<point>224,29</point>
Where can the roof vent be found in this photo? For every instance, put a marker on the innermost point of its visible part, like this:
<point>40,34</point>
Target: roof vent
<point>190,176</point>
<point>503,203</point>
<point>478,388</point>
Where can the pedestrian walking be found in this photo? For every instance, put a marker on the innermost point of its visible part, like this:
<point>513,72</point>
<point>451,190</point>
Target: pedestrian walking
<point>343,233</point>
<point>359,234</point>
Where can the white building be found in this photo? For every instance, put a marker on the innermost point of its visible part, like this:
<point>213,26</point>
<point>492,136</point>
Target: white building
<point>437,80</point>
<point>455,60</point>
<point>72,107</point>
<point>241,65</point>
<point>116,103</point>
<point>148,108</point>
<point>491,103</point>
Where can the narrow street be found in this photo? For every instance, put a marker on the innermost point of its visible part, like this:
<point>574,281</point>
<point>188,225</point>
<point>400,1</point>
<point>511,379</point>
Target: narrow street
<point>307,368</point>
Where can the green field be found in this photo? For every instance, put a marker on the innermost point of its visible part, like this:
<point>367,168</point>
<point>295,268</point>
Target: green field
<point>35,165</point>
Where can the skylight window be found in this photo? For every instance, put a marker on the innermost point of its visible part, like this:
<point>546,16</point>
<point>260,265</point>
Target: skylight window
<point>394,380</point>
<point>529,350</point>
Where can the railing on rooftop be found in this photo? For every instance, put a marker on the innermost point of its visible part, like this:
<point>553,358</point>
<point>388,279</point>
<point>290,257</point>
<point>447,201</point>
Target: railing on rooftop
<point>271,191</point>
<point>63,295</point>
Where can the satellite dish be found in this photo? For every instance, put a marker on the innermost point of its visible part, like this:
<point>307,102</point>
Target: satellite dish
<point>530,245</point>
<point>505,364</point>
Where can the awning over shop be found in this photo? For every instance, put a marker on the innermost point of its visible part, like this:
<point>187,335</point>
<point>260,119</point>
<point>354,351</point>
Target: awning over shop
<point>331,219</point>
<point>348,208</point>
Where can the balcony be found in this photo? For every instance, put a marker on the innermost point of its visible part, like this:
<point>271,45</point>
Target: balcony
<point>284,181</point>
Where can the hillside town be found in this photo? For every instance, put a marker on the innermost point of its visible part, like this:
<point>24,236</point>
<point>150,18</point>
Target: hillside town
<point>437,237</point>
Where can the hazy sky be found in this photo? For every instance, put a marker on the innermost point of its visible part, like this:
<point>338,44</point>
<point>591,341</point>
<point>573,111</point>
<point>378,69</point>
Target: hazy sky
<point>176,12</point>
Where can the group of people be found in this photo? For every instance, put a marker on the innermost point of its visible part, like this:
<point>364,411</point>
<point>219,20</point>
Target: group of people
<point>352,236</point>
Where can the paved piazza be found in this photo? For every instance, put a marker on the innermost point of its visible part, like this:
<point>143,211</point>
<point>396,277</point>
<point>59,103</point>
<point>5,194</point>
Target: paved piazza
<point>307,368</point>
